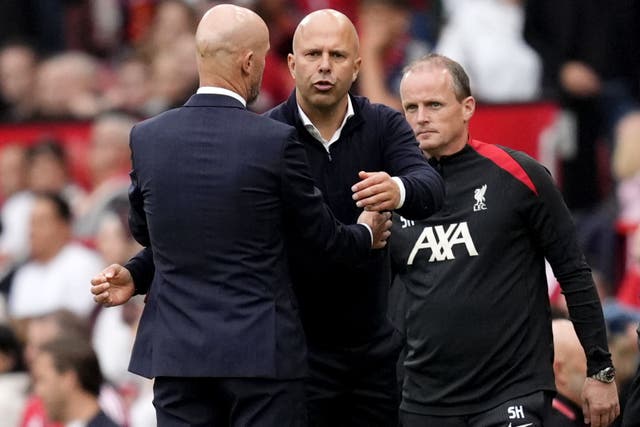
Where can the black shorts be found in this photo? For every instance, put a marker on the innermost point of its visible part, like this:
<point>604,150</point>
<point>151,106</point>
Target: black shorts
<point>524,411</point>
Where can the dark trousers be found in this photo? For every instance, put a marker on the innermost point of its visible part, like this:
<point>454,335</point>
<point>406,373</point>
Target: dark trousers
<point>354,387</point>
<point>237,402</point>
<point>631,411</point>
<point>527,410</point>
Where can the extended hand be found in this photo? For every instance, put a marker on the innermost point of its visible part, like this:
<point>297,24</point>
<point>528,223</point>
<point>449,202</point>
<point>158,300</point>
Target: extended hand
<point>112,286</point>
<point>600,403</point>
<point>376,192</point>
<point>380,224</point>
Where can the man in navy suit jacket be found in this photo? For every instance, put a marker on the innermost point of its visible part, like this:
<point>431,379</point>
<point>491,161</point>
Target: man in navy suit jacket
<point>213,188</point>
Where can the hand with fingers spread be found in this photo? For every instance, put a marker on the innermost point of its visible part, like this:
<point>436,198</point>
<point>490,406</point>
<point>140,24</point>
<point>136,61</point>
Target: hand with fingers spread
<point>380,224</point>
<point>600,403</point>
<point>376,191</point>
<point>112,286</point>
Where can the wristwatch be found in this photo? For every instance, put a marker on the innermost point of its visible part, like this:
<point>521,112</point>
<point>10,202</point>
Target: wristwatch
<point>606,375</point>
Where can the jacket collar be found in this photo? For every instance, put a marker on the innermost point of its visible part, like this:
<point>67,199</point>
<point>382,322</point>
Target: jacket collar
<point>293,117</point>
<point>210,100</point>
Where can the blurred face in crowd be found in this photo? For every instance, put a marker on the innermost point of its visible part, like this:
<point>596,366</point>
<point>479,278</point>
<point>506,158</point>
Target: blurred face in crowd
<point>39,331</point>
<point>132,88</point>
<point>49,232</point>
<point>114,242</point>
<point>13,169</point>
<point>47,173</point>
<point>325,60</point>
<point>109,154</point>
<point>17,73</point>
<point>51,386</point>
<point>172,19</point>
<point>438,119</point>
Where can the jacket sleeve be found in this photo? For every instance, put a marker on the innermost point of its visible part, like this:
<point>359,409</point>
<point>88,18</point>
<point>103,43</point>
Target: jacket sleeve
<point>140,266</point>
<point>553,229</point>
<point>142,270</point>
<point>307,214</point>
<point>404,159</point>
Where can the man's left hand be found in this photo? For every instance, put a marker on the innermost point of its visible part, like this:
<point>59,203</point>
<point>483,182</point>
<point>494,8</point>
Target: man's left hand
<point>600,403</point>
<point>376,192</point>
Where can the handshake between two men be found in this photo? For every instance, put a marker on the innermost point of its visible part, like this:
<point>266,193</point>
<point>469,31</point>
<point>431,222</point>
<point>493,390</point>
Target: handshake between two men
<point>376,192</point>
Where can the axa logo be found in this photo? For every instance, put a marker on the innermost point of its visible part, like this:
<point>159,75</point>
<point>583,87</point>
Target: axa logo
<point>478,194</point>
<point>441,240</point>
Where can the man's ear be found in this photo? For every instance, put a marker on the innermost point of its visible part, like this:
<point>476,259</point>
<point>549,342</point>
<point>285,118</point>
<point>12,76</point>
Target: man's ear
<point>468,108</point>
<point>291,63</point>
<point>247,62</point>
<point>356,69</point>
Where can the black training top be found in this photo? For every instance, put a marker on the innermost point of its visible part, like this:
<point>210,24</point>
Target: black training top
<point>477,317</point>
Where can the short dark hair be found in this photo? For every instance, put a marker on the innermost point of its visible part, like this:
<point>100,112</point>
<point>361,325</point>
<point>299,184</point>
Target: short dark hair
<point>63,210</point>
<point>77,355</point>
<point>48,146</point>
<point>461,85</point>
<point>11,346</point>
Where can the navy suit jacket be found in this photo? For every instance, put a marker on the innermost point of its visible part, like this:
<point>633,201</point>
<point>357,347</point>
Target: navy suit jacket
<point>213,187</point>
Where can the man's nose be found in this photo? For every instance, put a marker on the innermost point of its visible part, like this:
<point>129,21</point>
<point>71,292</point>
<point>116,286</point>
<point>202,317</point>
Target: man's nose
<point>325,62</point>
<point>423,115</point>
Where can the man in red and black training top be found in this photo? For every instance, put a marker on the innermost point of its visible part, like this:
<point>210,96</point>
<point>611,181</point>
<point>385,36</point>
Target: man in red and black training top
<point>477,319</point>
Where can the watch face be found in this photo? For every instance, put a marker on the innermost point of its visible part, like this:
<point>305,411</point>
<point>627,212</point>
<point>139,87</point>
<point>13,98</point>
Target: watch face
<point>609,374</point>
<point>606,375</point>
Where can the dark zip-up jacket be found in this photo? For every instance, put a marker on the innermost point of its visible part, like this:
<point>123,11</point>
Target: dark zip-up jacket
<point>344,305</point>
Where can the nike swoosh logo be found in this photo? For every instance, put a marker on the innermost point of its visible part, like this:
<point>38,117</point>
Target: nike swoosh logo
<point>521,425</point>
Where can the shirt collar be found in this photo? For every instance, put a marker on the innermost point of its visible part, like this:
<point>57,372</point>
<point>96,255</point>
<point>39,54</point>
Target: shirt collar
<point>316,133</point>
<point>213,90</point>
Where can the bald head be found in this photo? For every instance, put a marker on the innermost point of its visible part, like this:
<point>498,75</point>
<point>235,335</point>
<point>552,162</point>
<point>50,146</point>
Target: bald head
<point>328,22</point>
<point>231,45</point>
<point>325,62</point>
<point>569,362</point>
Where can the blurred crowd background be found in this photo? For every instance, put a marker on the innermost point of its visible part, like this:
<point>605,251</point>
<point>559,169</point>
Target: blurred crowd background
<point>102,65</point>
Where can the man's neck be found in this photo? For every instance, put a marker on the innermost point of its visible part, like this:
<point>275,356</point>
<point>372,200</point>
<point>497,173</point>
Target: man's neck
<point>326,120</point>
<point>83,407</point>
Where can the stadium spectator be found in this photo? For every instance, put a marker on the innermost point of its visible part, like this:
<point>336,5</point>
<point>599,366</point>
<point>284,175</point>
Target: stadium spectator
<point>131,88</point>
<point>569,368</point>
<point>14,381</point>
<point>591,63</point>
<point>67,87</point>
<point>58,271</point>
<point>109,161</point>
<point>14,180</point>
<point>386,45</point>
<point>61,324</point>
<point>487,38</point>
<point>18,68</point>
<point>626,170</point>
<point>67,378</point>
<point>48,171</point>
<point>171,20</point>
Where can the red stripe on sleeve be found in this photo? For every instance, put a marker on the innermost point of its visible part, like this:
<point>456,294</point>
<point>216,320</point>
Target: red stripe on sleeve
<point>504,161</point>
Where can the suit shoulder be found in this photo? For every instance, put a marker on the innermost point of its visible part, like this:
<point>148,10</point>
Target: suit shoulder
<point>158,120</point>
<point>272,124</point>
<point>279,112</point>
